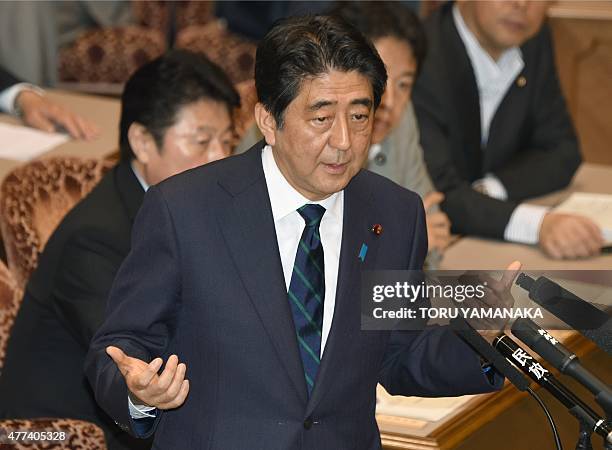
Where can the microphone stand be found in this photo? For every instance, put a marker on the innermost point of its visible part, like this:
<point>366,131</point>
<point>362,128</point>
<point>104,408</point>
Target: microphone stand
<point>587,418</point>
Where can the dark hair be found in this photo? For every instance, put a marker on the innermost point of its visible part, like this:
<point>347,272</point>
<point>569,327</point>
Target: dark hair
<point>305,47</point>
<point>156,92</point>
<point>386,19</point>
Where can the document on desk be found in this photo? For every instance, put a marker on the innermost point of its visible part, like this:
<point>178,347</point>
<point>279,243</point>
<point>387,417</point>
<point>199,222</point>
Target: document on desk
<point>21,143</point>
<point>597,207</point>
<point>428,409</point>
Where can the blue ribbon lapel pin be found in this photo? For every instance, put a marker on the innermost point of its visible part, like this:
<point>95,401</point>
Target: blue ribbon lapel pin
<point>363,252</point>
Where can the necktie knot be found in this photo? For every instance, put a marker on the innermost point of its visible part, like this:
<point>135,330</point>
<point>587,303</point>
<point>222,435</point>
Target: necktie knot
<point>312,214</point>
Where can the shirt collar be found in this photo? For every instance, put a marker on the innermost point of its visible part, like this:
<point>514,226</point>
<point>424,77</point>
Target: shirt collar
<point>139,177</point>
<point>486,69</point>
<point>285,200</point>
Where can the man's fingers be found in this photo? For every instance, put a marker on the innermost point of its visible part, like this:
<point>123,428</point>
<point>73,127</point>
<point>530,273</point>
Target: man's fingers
<point>177,382</point>
<point>180,398</point>
<point>88,129</point>
<point>39,121</point>
<point>144,378</point>
<point>433,198</point>
<point>166,377</point>
<point>65,119</point>
<point>116,354</point>
<point>510,274</point>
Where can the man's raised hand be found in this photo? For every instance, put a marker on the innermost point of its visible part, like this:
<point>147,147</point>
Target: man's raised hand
<point>167,390</point>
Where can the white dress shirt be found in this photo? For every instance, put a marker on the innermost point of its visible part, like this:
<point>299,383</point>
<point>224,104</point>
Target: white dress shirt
<point>9,95</point>
<point>493,79</point>
<point>285,201</point>
<point>289,225</point>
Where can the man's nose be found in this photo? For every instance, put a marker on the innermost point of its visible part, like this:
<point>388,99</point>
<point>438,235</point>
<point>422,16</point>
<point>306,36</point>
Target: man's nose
<point>340,138</point>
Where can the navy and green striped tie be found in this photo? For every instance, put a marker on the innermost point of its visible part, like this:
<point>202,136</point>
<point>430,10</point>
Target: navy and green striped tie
<point>307,292</point>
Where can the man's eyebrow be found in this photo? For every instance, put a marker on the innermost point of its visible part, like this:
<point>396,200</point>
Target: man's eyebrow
<point>323,103</point>
<point>362,101</point>
<point>320,104</point>
<point>408,73</point>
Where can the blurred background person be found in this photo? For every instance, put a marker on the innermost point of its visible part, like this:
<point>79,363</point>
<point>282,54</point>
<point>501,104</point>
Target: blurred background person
<point>495,128</point>
<point>396,153</point>
<point>175,115</point>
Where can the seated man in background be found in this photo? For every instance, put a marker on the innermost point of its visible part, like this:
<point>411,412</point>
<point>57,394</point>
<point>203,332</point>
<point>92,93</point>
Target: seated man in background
<point>495,128</point>
<point>399,38</point>
<point>38,111</point>
<point>176,115</point>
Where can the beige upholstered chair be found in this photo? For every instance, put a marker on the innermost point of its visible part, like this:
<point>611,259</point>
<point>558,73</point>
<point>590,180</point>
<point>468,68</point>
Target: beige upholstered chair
<point>244,117</point>
<point>79,435</point>
<point>110,55</point>
<point>10,299</point>
<point>234,54</point>
<point>33,200</point>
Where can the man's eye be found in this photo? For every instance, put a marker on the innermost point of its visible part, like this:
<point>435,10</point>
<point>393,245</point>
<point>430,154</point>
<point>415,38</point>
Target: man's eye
<point>405,86</point>
<point>321,119</point>
<point>360,117</point>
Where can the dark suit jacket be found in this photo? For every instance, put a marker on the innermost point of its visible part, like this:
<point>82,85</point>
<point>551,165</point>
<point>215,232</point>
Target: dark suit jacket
<point>63,306</point>
<point>6,79</point>
<point>204,281</point>
<point>532,147</point>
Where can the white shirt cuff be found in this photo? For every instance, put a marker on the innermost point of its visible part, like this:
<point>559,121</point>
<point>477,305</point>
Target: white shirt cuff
<point>524,224</point>
<point>140,411</point>
<point>9,95</point>
<point>492,187</point>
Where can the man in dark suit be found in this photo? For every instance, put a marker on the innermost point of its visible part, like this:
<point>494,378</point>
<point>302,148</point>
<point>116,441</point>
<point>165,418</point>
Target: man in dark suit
<point>250,274</point>
<point>176,114</point>
<point>494,126</point>
<point>38,111</point>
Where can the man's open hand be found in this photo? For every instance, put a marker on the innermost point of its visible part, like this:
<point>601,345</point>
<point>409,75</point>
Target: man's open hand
<point>40,112</point>
<point>167,390</point>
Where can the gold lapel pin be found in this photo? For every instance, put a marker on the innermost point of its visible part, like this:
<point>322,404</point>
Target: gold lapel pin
<point>521,81</point>
<point>377,229</point>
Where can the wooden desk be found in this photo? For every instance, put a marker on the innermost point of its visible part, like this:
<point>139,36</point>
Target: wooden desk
<point>510,420</point>
<point>103,111</point>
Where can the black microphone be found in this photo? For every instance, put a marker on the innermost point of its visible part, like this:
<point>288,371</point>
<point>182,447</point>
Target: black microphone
<point>538,373</point>
<point>484,349</point>
<point>549,348</point>
<point>576,312</point>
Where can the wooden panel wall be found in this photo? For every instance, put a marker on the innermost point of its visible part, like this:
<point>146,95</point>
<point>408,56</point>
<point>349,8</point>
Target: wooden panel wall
<point>582,32</point>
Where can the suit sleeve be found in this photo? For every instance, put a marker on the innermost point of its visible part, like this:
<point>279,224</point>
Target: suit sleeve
<point>6,79</point>
<point>86,271</point>
<point>142,307</point>
<point>433,362</point>
<point>553,148</point>
<point>470,212</point>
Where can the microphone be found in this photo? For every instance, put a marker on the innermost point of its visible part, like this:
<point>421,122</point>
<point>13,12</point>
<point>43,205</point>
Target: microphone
<point>549,348</point>
<point>484,349</point>
<point>576,312</point>
<point>524,361</point>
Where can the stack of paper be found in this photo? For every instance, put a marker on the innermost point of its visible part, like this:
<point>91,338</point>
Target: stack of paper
<point>21,143</point>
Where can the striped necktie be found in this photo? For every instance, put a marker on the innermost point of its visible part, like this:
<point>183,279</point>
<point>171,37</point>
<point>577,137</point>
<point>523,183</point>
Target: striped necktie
<point>307,292</point>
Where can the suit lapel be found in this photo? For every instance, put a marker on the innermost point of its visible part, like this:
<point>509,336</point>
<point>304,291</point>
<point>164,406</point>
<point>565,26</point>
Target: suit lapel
<point>464,91</point>
<point>129,188</point>
<point>505,127</point>
<point>248,228</point>
<point>359,217</point>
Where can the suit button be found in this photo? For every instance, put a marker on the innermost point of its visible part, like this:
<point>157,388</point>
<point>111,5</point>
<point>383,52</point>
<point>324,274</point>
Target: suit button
<point>308,423</point>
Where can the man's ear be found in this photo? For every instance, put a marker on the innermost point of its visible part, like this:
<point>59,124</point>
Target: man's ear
<point>141,142</point>
<point>266,123</point>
